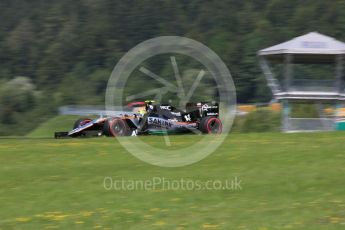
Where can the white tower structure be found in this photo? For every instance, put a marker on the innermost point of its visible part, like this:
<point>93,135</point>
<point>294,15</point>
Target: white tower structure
<point>312,48</point>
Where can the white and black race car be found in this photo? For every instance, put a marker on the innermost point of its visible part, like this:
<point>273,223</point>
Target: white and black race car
<point>150,118</point>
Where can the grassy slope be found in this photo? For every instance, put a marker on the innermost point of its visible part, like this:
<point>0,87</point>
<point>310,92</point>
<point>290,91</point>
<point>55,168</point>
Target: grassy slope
<point>290,181</point>
<point>58,123</point>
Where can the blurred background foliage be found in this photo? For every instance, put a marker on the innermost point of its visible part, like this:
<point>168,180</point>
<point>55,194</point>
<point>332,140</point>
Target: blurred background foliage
<point>62,52</point>
<point>260,120</point>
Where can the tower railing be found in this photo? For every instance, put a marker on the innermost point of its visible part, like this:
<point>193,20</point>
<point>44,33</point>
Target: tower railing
<point>311,85</point>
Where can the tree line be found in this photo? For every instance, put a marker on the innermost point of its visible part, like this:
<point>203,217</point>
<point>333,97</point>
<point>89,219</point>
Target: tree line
<point>62,52</point>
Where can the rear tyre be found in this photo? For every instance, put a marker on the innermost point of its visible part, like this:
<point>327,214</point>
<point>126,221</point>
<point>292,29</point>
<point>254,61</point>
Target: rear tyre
<point>118,127</point>
<point>210,125</point>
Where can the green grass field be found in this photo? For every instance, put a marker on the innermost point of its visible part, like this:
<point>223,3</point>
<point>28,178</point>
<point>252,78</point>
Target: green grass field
<point>58,123</point>
<point>289,181</point>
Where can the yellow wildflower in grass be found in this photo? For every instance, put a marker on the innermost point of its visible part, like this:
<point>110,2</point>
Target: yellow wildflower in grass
<point>58,217</point>
<point>79,222</point>
<point>97,226</point>
<point>335,220</point>
<point>47,216</point>
<point>86,214</point>
<point>23,219</point>
<point>336,201</point>
<point>210,226</point>
<point>159,223</point>
<point>182,226</point>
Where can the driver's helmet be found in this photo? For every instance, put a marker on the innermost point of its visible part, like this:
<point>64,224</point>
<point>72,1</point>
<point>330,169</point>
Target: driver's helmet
<point>150,107</point>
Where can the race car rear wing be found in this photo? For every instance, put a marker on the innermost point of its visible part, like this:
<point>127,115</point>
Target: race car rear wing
<point>202,109</point>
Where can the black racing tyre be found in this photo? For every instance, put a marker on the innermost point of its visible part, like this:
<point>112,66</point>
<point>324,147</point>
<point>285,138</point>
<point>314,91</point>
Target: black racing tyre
<point>106,130</point>
<point>210,125</point>
<point>80,122</point>
<point>118,127</point>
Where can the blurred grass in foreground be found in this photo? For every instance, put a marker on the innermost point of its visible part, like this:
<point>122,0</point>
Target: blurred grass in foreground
<point>289,181</point>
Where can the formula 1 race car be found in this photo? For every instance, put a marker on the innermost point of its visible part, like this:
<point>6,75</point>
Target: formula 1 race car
<point>149,118</point>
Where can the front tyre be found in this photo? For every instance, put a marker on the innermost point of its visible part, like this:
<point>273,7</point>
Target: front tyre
<point>210,125</point>
<point>81,122</point>
<point>78,123</point>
